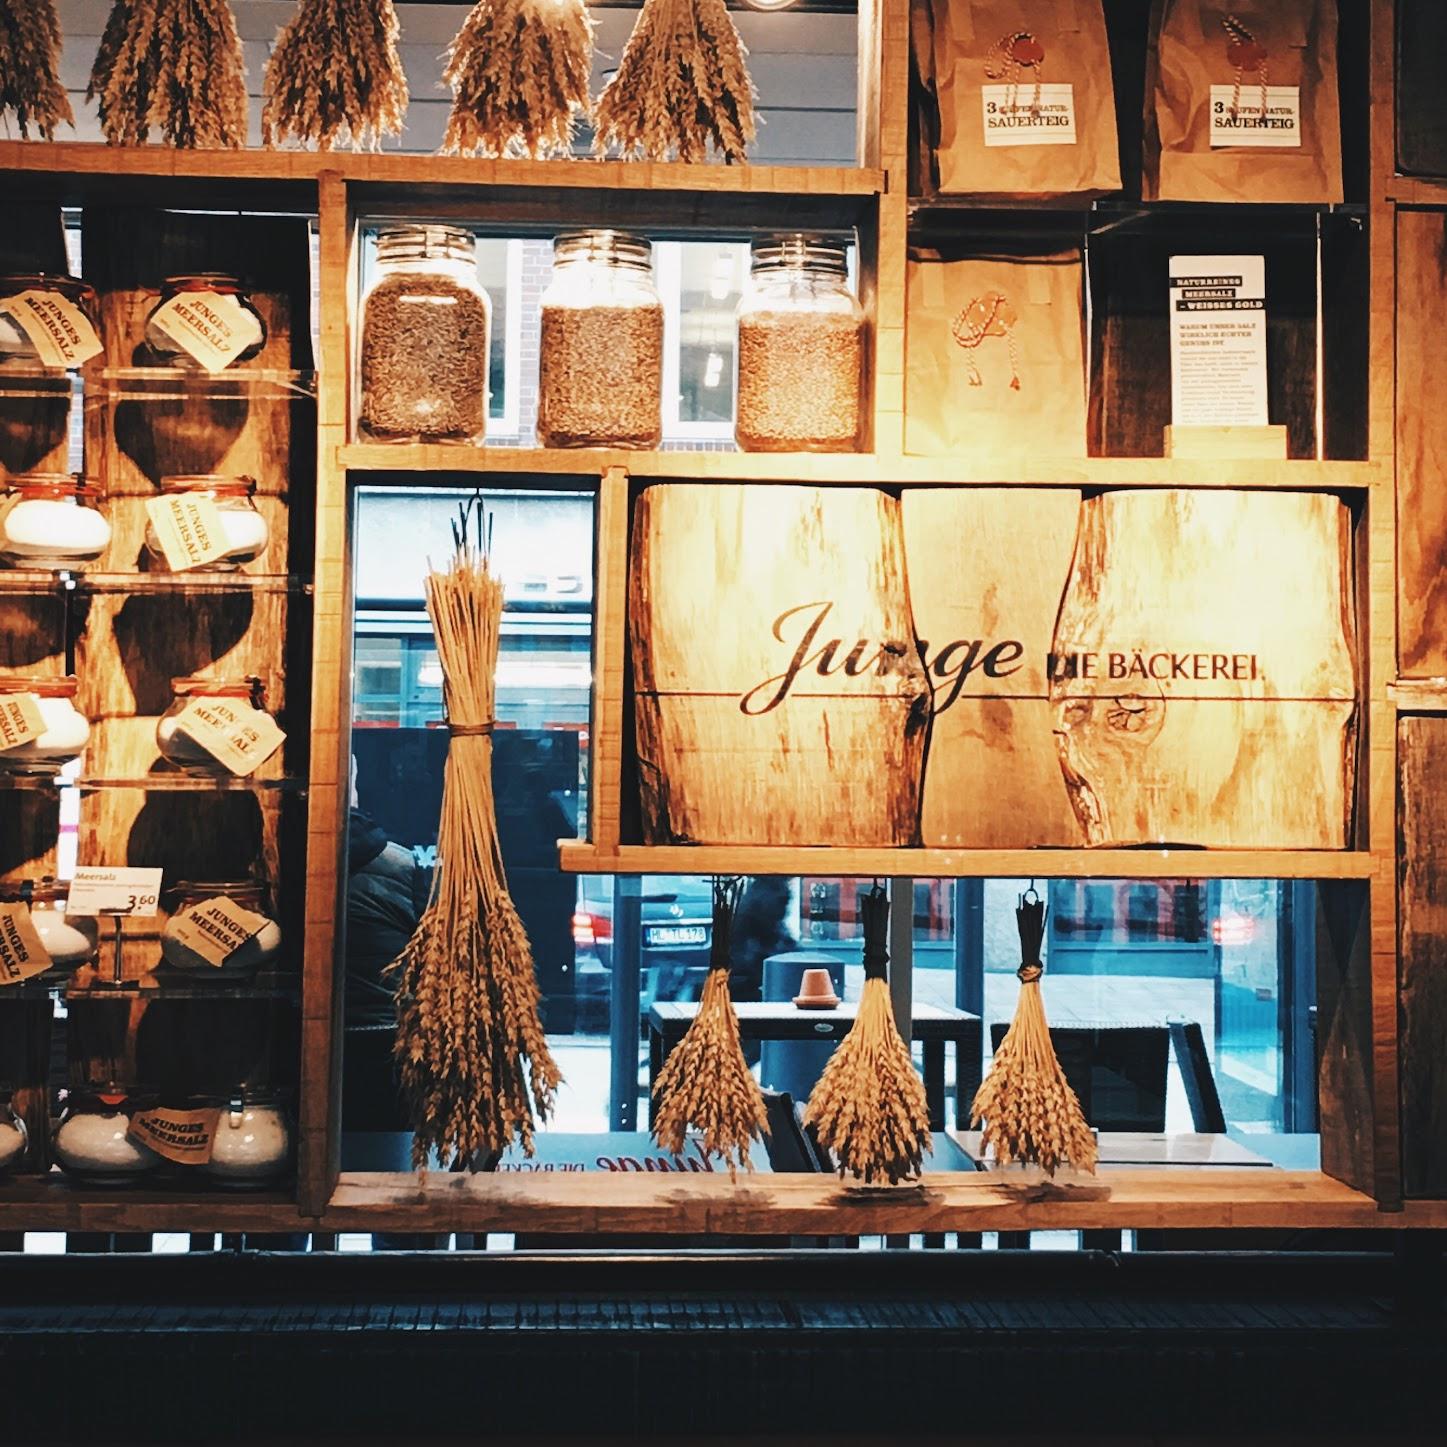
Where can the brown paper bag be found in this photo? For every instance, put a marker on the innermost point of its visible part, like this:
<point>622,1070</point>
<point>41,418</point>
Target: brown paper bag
<point>1209,60</point>
<point>994,355</point>
<point>1024,98</point>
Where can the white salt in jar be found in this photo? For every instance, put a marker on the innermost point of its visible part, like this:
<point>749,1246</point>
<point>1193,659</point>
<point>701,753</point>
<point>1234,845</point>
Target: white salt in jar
<point>13,1136</point>
<point>69,939</point>
<point>90,1140</point>
<point>66,729</point>
<point>50,520</point>
<point>222,924</point>
<point>63,322</point>
<point>176,744</point>
<point>252,1145</point>
<point>243,529</point>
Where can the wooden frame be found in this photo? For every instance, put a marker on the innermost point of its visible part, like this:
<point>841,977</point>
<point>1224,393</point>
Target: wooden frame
<point>1359,918</point>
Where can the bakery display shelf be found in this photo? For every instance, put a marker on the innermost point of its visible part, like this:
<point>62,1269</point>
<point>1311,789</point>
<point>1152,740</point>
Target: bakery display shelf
<point>32,581</point>
<point>170,783</point>
<point>158,384</point>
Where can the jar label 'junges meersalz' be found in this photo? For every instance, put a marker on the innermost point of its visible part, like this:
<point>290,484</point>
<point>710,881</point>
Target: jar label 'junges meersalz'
<point>216,929</point>
<point>1022,114</point>
<point>20,720</point>
<point>212,327</point>
<point>22,953</point>
<point>1237,118</point>
<point>189,528</point>
<point>183,1136</point>
<point>58,330</point>
<point>237,736</point>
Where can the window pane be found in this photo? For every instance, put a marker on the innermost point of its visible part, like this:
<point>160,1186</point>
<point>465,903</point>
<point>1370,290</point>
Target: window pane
<point>710,277</point>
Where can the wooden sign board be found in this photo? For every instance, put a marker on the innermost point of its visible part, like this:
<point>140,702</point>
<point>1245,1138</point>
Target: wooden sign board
<point>993,667</point>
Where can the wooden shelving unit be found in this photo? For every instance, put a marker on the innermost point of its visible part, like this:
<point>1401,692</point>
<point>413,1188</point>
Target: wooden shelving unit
<point>1361,1182</point>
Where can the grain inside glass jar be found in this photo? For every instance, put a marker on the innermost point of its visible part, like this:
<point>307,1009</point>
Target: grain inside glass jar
<point>426,331</point>
<point>800,350</point>
<point>601,370</point>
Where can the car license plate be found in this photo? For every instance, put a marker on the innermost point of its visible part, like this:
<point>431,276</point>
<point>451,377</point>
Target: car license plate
<point>676,934</point>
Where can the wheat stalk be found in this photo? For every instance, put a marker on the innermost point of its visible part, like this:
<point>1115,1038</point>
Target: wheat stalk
<point>869,1106</point>
<point>171,65</point>
<point>706,1083</point>
<point>335,76</point>
<point>474,1063</point>
<point>519,72</point>
<point>1031,1114</point>
<point>682,86</point>
<point>30,67</point>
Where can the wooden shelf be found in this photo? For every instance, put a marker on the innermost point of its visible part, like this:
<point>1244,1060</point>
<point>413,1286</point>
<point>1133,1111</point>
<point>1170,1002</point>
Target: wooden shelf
<point>578,857</point>
<point>53,1203</point>
<point>1419,695</point>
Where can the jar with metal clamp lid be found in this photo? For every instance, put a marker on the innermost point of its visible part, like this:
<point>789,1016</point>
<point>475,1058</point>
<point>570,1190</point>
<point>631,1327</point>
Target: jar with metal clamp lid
<point>252,1144</point>
<point>204,320</point>
<point>51,520</point>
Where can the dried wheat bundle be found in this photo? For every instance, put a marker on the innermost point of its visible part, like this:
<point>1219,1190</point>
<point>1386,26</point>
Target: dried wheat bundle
<point>706,1083</point>
<point>868,1107</point>
<point>1031,1114</point>
<point>335,76</point>
<point>682,85</point>
<point>175,66</point>
<point>474,1063</point>
<point>30,85</point>
<point>519,72</point>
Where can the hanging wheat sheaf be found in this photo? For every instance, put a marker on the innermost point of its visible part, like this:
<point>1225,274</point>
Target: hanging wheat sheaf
<point>869,1105</point>
<point>519,72</point>
<point>1030,1113</point>
<point>706,1084</point>
<point>174,66</point>
<point>30,88</point>
<point>335,76</point>
<point>474,1064</point>
<point>682,87</point>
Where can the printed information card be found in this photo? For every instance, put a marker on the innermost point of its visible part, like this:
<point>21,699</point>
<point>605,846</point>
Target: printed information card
<point>1218,341</point>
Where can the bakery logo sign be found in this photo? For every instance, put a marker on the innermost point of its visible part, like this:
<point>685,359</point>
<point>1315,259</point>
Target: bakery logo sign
<point>805,632</point>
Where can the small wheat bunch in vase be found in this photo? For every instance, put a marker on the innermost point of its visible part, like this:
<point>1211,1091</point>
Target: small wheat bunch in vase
<point>30,87</point>
<point>706,1083</point>
<point>869,1106</point>
<point>1031,1114</point>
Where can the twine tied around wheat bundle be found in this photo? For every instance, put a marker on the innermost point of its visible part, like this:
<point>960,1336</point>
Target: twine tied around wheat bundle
<point>989,315</point>
<point>706,1084</point>
<point>868,1107</point>
<point>1030,1113</point>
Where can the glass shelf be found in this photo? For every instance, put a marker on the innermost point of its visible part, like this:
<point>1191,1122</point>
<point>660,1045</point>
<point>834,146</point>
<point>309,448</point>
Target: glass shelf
<point>159,783</point>
<point>160,384</point>
<point>44,580</point>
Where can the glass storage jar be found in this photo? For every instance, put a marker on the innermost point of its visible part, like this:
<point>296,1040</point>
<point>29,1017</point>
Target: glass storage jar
<point>800,349</point>
<point>189,904</point>
<point>204,320</point>
<point>244,530</point>
<point>51,520</point>
<point>66,731</point>
<point>426,333</point>
<point>13,1135</point>
<point>69,939</point>
<point>90,1140</point>
<point>600,379</point>
<point>176,744</point>
<point>47,321</point>
<point>252,1144</point>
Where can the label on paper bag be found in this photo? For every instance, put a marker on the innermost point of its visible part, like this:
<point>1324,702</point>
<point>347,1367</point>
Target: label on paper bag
<point>189,529</point>
<point>58,330</point>
<point>213,327</point>
<point>20,720</point>
<point>22,954</point>
<point>1237,118</point>
<point>1218,341</point>
<point>183,1136</point>
<point>215,929</point>
<point>97,890</point>
<point>234,734</point>
<point>1029,115</point>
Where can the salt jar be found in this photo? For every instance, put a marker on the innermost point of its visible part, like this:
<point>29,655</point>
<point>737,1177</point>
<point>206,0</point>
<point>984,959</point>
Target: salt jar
<point>426,335</point>
<point>13,1135</point>
<point>600,370</point>
<point>51,520</point>
<point>90,1140</point>
<point>800,349</point>
<point>204,320</point>
<point>66,729</point>
<point>176,744</point>
<point>69,939</point>
<point>252,1144</point>
<point>200,908</point>
<point>47,322</point>
<point>243,529</point>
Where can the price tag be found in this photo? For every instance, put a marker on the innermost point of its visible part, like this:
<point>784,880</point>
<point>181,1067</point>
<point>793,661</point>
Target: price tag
<point>215,929</point>
<point>20,720</point>
<point>1024,114</point>
<point>213,328</point>
<point>184,1136</point>
<point>189,529</point>
<point>22,953</point>
<point>236,735</point>
<point>58,330</point>
<point>1238,120</point>
<point>95,890</point>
